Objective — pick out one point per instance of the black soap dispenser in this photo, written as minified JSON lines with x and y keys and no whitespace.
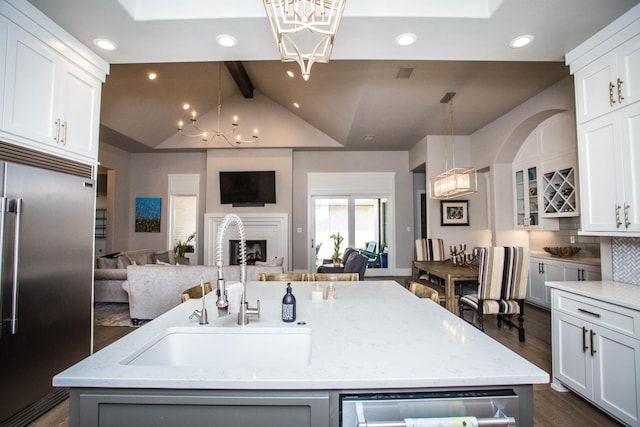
{"x":288,"y":306}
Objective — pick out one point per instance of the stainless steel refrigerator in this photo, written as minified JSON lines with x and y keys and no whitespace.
{"x":46,"y":237}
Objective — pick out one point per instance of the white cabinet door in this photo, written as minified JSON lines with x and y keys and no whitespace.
{"x":595,"y":88}
{"x":616,"y":372}
{"x":542,"y":270}
{"x":600,"y":178}
{"x":630,"y":160}
{"x":4,"y":29}
{"x":629,"y":71}
{"x":536,"y":292}
{"x":572,"y":364}
{"x":610,"y":82}
{"x":81,"y":112}
{"x":30,"y":88}
{"x":49,"y":104}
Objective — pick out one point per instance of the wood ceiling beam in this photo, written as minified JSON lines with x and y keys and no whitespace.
{"x":241,"y":77}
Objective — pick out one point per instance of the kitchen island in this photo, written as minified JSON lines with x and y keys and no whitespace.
{"x":376,"y":337}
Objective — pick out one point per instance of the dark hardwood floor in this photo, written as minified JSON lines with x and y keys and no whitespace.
{"x":551,"y":408}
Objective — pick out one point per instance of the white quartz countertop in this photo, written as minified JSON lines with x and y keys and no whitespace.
{"x":376,"y":334}
{"x":622,"y":294}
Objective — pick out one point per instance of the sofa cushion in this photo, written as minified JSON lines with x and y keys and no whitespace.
{"x":110,"y":274}
{"x":103,"y":262}
{"x":155,"y":289}
{"x":276,"y":262}
{"x":138,"y":257}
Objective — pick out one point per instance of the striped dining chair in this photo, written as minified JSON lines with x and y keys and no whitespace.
{"x":502,"y":286}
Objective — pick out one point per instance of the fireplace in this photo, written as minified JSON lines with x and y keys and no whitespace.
{"x":270,"y":227}
{"x":256,"y":251}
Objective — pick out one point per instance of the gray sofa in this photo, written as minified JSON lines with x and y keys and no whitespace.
{"x":155,"y":289}
{"x":110,"y":272}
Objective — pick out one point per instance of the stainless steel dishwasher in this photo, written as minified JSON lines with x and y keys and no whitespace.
{"x":467,"y":408}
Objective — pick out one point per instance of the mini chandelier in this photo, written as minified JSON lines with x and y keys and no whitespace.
{"x":304,"y":29}
{"x":454,"y":182}
{"x":193,"y":131}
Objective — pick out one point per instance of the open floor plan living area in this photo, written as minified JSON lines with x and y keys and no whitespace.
{"x":323,"y":213}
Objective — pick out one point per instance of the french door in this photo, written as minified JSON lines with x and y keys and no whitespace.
{"x":363,"y":222}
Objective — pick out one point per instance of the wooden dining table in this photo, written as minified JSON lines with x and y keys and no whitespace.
{"x":450,"y":274}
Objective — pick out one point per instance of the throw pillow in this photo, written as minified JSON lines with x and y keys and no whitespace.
{"x":138,"y":257}
{"x":122,"y":261}
{"x":160,"y":258}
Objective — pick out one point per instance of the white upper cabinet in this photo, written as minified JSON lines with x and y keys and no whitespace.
{"x":610,"y":82}
{"x":51,"y":99}
{"x":609,"y":128}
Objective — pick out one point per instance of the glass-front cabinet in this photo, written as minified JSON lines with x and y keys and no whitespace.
{"x":529,"y":213}
{"x":526,"y":186}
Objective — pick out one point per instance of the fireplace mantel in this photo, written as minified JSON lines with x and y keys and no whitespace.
{"x":274,"y":228}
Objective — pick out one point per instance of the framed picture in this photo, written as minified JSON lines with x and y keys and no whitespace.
{"x":147,"y":215}
{"x":454,"y":212}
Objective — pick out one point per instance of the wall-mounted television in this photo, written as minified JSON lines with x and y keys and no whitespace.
{"x":250,"y":188}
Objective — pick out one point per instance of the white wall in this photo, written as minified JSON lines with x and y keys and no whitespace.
{"x":493,"y":149}
{"x":497,"y":144}
{"x":432,"y":151}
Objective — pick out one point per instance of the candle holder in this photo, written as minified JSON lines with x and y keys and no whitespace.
{"x":460,"y":257}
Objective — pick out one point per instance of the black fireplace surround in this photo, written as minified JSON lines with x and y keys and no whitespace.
{"x":256,"y":251}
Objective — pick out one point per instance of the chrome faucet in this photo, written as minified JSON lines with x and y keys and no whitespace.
{"x":201,"y":315}
{"x":222,"y":302}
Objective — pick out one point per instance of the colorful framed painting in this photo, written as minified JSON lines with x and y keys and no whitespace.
{"x":148,"y":214}
{"x":454,"y":212}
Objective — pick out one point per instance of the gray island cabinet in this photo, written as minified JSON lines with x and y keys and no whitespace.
{"x":375,"y":343}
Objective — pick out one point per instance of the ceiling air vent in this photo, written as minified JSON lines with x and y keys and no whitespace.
{"x":404,"y":73}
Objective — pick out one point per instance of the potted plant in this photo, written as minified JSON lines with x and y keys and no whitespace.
{"x":181,"y":248}
{"x":337,"y":241}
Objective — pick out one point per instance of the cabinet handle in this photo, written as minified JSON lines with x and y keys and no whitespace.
{"x":584,"y":340}
{"x":591,"y":313}
{"x":611,"y":100}
{"x":618,"y":223}
{"x":63,"y":140}
{"x":620,"y":97}
{"x":57,"y":124}
{"x":593,"y":350}
{"x":627,"y":223}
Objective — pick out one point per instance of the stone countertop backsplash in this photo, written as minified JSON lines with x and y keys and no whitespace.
{"x":589,"y":245}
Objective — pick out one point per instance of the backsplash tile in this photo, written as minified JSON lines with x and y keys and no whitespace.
{"x":625,"y":255}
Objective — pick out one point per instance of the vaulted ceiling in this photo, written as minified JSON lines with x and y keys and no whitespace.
{"x":358,"y":101}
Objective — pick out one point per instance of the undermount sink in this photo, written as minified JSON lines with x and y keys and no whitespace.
{"x":226,"y":347}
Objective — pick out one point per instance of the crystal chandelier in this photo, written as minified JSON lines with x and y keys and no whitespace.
{"x":304,"y":29}
{"x":454,"y":182}
{"x":193,"y":131}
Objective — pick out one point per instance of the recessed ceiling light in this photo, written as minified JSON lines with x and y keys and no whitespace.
{"x":226,"y":40}
{"x":290,"y":73}
{"x":295,"y":104}
{"x":406,"y":39}
{"x":186,"y":106}
{"x":521,"y":41}
{"x":105,"y":44}
{"x":152,"y":76}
